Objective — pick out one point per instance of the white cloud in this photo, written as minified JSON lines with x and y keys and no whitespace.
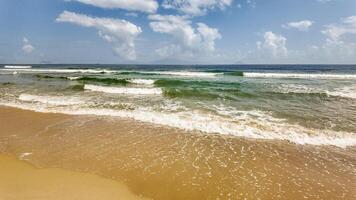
{"x":131,"y":14}
{"x":120,"y":33}
{"x":301,"y":25}
{"x":149,"y":6}
{"x":195,"y":7}
{"x":188,"y":40}
{"x":339,"y":51}
{"x":336,"y":31}
{"x":168,"y":50}
{"x":27,"y":47}
{"x":273,"y":44}
{"x":336,"y":46}
{"x":208,"y":35}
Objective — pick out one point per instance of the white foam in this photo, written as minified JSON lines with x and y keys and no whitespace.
{"x":72,"y":78}
{"x":100,"y":71}
{"x":92,"y":71}
{"x":346,"y":92}
{"x":295,"y":88}
{"x":249,"y":124}
{"x":297,"y":75}
{"x":142,"y":81}
{"x":51,"y":100}
{"x":17,"y":67}
{"x":186,"y":73}
{"x":124,"y":90}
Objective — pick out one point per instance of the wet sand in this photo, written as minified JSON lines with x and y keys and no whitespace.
{"x":165,"y":163}
{"x":20,"y":180}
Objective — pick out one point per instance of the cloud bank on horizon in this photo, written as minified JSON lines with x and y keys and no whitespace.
{"x":179,"y":31}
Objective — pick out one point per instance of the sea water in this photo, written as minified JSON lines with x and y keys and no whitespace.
{"x":302,"y":104}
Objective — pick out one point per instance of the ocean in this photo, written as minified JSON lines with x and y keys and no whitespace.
{"x":302,"y":104}
{"x":187,"y":132}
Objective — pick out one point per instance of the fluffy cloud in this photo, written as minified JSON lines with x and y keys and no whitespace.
{"x":27,"y":47}
{"x":149,"y":6}
{"x":120,"y":33}
{"x":301,"y":25}
{"x":189,"y":40}
{"x":195,"y":7}
{"x":336,"y":31}
{"x":273,"y":44}
{"x":336,"y":46}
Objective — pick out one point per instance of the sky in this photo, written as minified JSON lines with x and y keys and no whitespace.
{"x":178,"y":31}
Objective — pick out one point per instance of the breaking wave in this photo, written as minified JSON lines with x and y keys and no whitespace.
{"x":142,"y":81}
{"x":299,"y":75}
{"x":247,"y":124}
{"x":17,"y":67}
{"x":172,"y":73}
{"x":345,"y":92}
{"x":51,"y":100}
{"x":29,"y":70}
{"x":124,"y":90}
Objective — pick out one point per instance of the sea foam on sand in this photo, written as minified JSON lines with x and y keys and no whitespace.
{"x":248,"y":124}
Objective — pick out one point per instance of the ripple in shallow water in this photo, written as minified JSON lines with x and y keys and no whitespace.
{"x":167,"y":163}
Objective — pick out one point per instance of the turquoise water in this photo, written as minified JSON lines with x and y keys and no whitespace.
{"x":313,"y":105}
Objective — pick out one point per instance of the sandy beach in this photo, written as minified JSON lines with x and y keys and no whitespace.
{"x":123,"y":155}
{"x":20,"y":180}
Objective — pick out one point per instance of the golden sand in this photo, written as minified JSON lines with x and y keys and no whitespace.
{"x":19,"y":180}
{"x":164,"y":163}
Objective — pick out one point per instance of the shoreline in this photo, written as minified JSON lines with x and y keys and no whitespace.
{"x":166,"y":163}
{"x":306,"y":136}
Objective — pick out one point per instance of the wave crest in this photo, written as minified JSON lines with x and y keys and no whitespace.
{"x":124,"y":90}
{"x":142,"y":81}
{"x":17,"y":67}
{"x":299,"y":75}
{"x":51,"y":100}
{"x":247,"y":124}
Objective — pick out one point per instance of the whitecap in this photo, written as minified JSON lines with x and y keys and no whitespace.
{"x":72,"y":78}
{"x":301,"y":89}
{"x":299,"y":75}
{"x":346,"y":92}
{"x":17,"y":67}
{"x":142,"y":81}
{"x":92,"y":71}
{"x":124,"y":90}
{"x":248,"y":124}
{"x":51,"y":100}
{"x":184,"y":73}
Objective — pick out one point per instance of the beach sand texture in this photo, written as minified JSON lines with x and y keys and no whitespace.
{"x":20,"y":180}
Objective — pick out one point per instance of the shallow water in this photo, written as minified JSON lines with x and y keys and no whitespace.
{"x":165,"y":163}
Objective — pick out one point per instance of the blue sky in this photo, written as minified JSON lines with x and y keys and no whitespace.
{"x":178,"y":31}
